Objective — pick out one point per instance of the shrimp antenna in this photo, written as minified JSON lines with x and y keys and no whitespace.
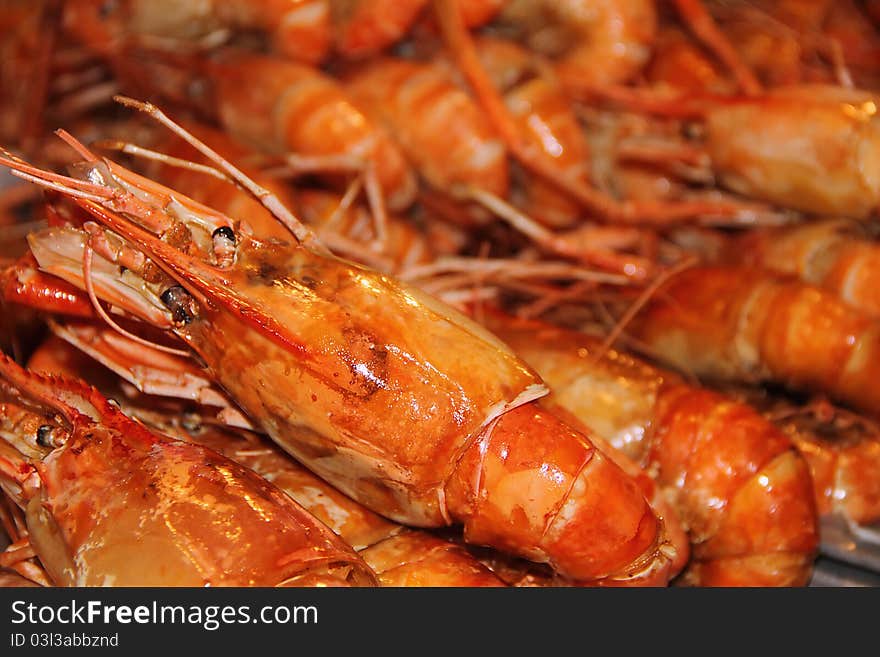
{"x":630,"y":266}
{"x":303,"y":234}
{"x":164,"y":158}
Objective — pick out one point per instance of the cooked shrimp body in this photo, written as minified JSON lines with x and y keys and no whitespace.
{"x":842,"y":449}
{"x":740,"y":487}
{"x":816,"y":150}
{"x":835,"y":254}
{"x":777,"y":146}
{"x":299,"y":29}
{"x":109,"y":502}
{"x":295,"y":108}
{"x":750,"y":325}
{"x":545,"y":116}
{"x":438,"y":125}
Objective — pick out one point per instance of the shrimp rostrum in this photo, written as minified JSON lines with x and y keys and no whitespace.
{"x":396,"y":399}
{"x":109,"y":502}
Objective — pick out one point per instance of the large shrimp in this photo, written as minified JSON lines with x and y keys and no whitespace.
{"x":299,"y":29}
{"x":442,"y":130}
{"x":838,"y":255}
{"x":295,"y":112}
{"x":544,"y":114}
{"x":842,"y":449}
{"x":750,"y":325}
{"x":418,"y":557}
{"x":429,"y":114}
{"x":338,"y":363}
{"x":109,"y":502}
{"x":742,"y":491}
{"x":293,"y":108}
{"x":399,"y":556}
{"x":778,"y":146}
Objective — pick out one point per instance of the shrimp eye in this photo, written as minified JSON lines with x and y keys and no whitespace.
{"x":224,"y":246}
{"x":44,"y":436}
{"x":180,"y":303}
{"x":224,"y":232}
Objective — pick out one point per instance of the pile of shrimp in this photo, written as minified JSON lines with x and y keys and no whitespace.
{"x":437,"y":292}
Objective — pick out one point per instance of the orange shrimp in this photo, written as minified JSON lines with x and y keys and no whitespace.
{"x":841,"y":448}
{"x":299,"y":29}
{"x":295,"y":108}
{"x":777,"y":147}
{"x":815,"y":151}
{"x":474,"y":166}
{"x":420,"y":104}
{"x":295,"y":112}
{"x":835,"y":254}
{"x":427,"y":555}
{"x":150,"y":491}
{"x":738,"y":484}
{"x":369,"y":356}
{"x":398,"y":555}
{"x":750,"y":325}
{"x":545,"y":116}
